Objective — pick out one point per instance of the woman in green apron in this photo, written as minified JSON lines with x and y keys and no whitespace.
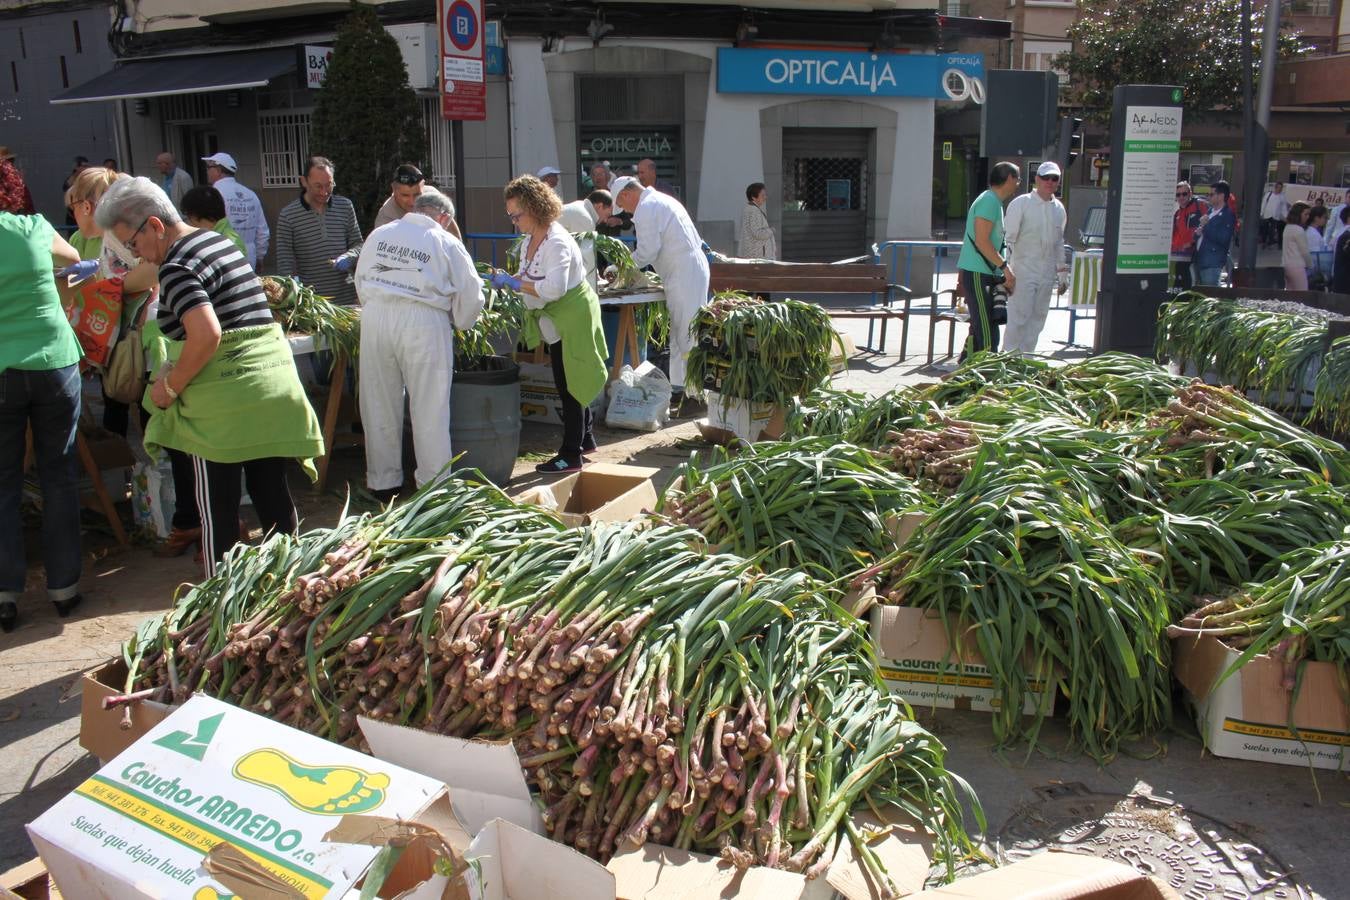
{"x":562,"y":309}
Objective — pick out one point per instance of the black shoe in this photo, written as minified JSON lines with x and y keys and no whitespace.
{"x":64,"y":607}
{"x":385,"y":495}
{"x":9,"y":615}
{"x":558,"y":465}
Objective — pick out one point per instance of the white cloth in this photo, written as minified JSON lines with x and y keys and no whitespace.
{"x":416,"y":281}
{"x":1294,"y":253}
{"x":577,"y":217}
{"x":668,"y":242}
{"x":1316,"y":243}
{"x":1334,"y":225}
{"x":756,"y":239}
{"x":1034,"y":230}
{"x":245,"y":213}
{"x":556,"y":268}
{"x":1274,"y":206}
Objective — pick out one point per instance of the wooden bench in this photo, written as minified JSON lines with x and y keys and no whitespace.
{"x":826,"y":278}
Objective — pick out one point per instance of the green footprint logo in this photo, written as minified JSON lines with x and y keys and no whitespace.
{"x":326,"y":790}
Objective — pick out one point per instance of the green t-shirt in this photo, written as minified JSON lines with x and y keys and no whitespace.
{"x":986,"y":206}
{"x":224,"y":227}
{"x":87,"y":247}
{"x":37,"y":334}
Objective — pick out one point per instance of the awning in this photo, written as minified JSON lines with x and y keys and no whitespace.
{"x":168,"y":75}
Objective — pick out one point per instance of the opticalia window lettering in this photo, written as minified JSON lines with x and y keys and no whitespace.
{"x":853,"y":74}
{"x":623,"y":149}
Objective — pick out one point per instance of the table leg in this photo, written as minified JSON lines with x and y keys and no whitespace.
{"x":104,"y":500}
{"x":626,"y":340}
{"x":337,"y":386}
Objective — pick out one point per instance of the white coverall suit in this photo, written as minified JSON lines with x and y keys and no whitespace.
{"x":1034,"y":230}
{"x":668,"y":242}
{"x":413,"y":278}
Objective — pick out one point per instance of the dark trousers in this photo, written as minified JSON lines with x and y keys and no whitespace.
{"x":576,"y":418}
{"x":218,"y":494}
{"x":48,"y":402}
{"x":979,"y":291}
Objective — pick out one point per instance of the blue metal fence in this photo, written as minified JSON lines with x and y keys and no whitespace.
{"x":900,"y":258}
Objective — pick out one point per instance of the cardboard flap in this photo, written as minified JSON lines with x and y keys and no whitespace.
{"x":904,"y":848}
{"x":1198,"y":661}
{"x":654,"y":872}
{"x":485,"y":779}
{"x":902,"y":631}
{"x":512,"y":863}
{"x":902,"y":528}
{"x":1055,"y":876}
{"x":435,"y":836}
{"x":230,"y":866}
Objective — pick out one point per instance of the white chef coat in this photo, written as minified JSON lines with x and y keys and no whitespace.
{"x":668,"y":241}
{"x":245,"y":213}
{"x":577,"y":217}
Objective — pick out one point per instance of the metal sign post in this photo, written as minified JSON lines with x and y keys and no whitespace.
{"x":462,"y":79}
{"x":1145,"y":145}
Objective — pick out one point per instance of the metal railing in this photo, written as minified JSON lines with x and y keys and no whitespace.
{"x":905,"y":260}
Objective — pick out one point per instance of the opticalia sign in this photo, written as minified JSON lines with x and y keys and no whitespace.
{"x":850,"y":74}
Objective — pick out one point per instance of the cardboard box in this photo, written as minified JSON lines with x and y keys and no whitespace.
{"x":602,"y":492}
{"x":1246,"y":716}
{"x":212,"y":775}
{"x":29,"y":881}
{"x":654,"y":872}
{"x":730,"y":418}
{"x":102,"y":731}
{"x":1056,"y":875}
{"x":929,"y":662}
{"x":509,"y":856}
{"x":539,"y":394}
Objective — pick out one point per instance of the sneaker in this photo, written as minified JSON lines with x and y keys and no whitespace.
{"x":558,"y":466}
{"x":66,"y":606}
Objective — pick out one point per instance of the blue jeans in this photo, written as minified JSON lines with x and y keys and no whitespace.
{"x":49,"y":402}
{"x":1208,"y":275}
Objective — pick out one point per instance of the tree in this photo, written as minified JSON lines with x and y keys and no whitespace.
{"x":366,"y":117}
{"x":1195,"y":45}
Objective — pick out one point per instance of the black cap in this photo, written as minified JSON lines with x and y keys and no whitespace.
{"x":408,"y":174}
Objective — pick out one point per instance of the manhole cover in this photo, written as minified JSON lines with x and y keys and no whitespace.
{"x":1201,"y":858}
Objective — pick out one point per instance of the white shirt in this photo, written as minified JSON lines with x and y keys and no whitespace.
{"x":415,"y":259}
{"x":245,"y":213}
{"x":556,"y":268}
{"x":1316,"y":243}
{"x":1334,"y":226}
{"x":1275,"y":206}
{"x":667,"y":240}
{"x":580,"y":216}
{"x":1034,"y":229}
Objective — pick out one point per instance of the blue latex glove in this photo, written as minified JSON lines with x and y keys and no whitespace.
{"x":83,"y":269}
{"x":503,"y":280}
{"x":344,"y":263}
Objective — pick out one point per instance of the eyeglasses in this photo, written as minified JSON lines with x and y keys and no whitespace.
{"x":1184,"y":194}
{"x":137,"y":233}
{"x":514,"y":217}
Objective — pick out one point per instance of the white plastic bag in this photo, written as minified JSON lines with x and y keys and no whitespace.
{"x":639,"y":399}
{"x":152,"y":496}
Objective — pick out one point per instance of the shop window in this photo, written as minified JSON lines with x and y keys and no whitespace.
{"x":1301,"y":171}
{"x":1039,"y":56}
{"x":1203,"y":169}
{"x":834,"y":184}
{"x":440,"y":147}
{"x":283,"y":136}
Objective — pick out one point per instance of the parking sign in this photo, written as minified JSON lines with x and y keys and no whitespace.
{"x":463,"y":88}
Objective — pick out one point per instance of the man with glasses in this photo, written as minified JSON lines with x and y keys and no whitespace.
{"x":407,"y":186}
{"x":1184,"y":222}
{"x":242,"y":206}
{"x":1034,"y":228}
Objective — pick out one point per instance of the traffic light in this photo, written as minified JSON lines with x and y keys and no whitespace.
{"x":1070,"y":139}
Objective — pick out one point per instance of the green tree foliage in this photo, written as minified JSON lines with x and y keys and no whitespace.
{"x":366,"y":116}
{"x":1192,"y":43}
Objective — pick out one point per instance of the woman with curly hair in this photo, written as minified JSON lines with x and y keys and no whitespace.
{"x":562,"y":309}
{"x":39,"y":389}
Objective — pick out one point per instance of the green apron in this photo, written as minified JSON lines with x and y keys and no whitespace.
{"x":576,"y":315}
{"x":246,"y":403}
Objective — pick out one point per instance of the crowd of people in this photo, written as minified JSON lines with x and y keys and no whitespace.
{"x":176,"y":268}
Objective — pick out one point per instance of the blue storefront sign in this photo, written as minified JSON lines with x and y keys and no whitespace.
{"x":828,"y":73}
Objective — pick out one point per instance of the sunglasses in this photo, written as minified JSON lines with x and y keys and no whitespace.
{"x":1184,"y":194}
{"x":1054,"y":178}
{"x":405,"y":178}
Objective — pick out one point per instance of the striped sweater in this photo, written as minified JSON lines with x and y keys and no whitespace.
{"x":207,"y":268}
{"x":309,"y":241}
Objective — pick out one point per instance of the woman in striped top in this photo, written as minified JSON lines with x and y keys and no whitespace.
{"x":230,"y":397}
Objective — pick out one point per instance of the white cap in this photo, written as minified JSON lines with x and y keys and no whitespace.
{"x":1048,"y":168}
{"x":548,"y":170}
{"x":224,"y":160}
{"x":623,"y":183}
